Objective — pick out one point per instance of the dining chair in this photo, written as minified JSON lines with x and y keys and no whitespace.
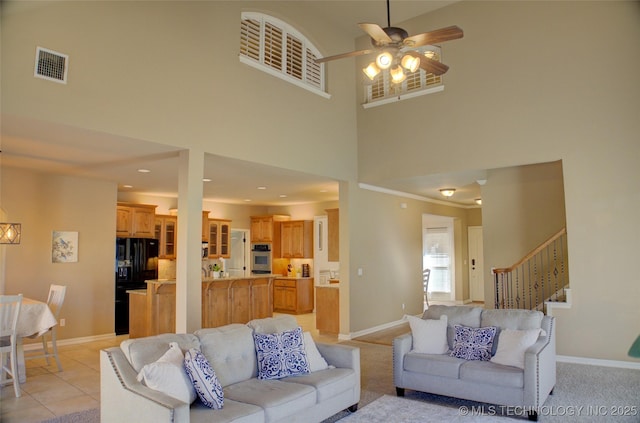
{"x":55,"y":300}
{"x":425,"y":285}
{"x":9,"y":312}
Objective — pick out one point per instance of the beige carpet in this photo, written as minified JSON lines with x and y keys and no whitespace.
{"x":390,"y":409}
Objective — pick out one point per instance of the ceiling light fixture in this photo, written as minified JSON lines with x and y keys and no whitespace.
{"x":144,"y":171}
{"x":397,"y":75}
{"x":384,"y":60}
{"x":447,"y":192}
{"x":371,"y":71}
{"x":127,"y":186}
{"x":262,"y":187}
{"x":206,"y":179}
{"x":410,"y":63}
{"x":10,"y":233}
{"x":478,"y":201}
{"x":283,"y":195}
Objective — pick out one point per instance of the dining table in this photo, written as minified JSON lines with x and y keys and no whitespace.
{"x":35,"y":319}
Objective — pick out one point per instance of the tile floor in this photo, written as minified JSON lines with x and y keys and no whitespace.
{"x":48,"y":393}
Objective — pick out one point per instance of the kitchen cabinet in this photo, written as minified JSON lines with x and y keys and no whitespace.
{"x":205,"y":226}
{"x":219,"y":238}
{"x":166,"y":231}
{"x":266,"y":229}
{"x":293,"y":295}
{"x":333,"y":232}
{"x":135,"y":220}
{"x":328,"y":309}
{"x":297,"y":239}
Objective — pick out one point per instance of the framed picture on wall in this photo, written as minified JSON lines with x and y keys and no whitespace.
{"x":64,"y":247}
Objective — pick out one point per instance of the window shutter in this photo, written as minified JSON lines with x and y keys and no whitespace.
{"x":314,"y":70}
{"x":272,"y":46}
{"x":294,"y":57}
{"x":250,"y":38}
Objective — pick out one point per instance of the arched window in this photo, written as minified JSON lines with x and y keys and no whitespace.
{"x":275,"y":47}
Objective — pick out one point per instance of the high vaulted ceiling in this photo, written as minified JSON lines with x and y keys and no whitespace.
{"x":59,"y":149}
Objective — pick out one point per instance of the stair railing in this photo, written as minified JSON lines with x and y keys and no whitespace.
{"x":541,"y":275}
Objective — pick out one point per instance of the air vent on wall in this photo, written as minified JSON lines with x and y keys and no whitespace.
{"x":51,"y":65}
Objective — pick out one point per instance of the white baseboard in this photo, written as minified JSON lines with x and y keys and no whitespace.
{"x":599,"y":362}
{"x":350,"y":336}
{"x":72,"y":341}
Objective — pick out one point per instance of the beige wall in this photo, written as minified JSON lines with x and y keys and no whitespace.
{"x":44,"y":203}
{"x":524,"y":87}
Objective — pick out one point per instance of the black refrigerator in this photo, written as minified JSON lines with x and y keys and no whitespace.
{"x":136,"y":262}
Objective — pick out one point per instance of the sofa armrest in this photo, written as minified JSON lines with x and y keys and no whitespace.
{"x":343,"y":356}
{"x":122,"y":396}
{"x":401,"y":346}
{"x":540,"y":366}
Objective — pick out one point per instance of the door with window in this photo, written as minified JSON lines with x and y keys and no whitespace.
{"x":438,"y":256}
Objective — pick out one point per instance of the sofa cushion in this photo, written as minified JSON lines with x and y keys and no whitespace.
{"x":278,"y":399}
{"x":204,"y":379}
{"x":429,"y":336}
{"x":231,"y":352}
{"x":281,"y":354}
{"x":168,"y":375}
{"x":433,"y":364}
{"x":316,"y":360}
{"x":456,"y":315}
{"x":473,"y":343}
{"x":232,"y":412}
{"x":486,"y":372}
{"x":273,"y":324}
{"x":143,"y":351}
{"x":512,"y":346}
{"x":512,"y":319}
{"x":328,"y":383}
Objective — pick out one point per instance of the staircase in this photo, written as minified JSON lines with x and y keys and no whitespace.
{"x":540,"y":277}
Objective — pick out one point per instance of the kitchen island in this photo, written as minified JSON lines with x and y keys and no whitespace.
{"x":224,"y":301}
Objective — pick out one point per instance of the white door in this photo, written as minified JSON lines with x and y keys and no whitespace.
{"x":476,"y":263}
{"x":238,"y":264}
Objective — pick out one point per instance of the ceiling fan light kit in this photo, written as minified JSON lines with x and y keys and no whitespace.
{"x":396,"y":50}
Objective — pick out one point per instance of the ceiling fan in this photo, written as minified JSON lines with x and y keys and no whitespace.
{"x":395,"y":50}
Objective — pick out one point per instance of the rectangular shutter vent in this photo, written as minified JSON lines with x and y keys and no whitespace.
{"x":51,"y":65}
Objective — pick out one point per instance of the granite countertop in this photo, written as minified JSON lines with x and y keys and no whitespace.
{"x":137,"y":291}
{"x":330,"y":285}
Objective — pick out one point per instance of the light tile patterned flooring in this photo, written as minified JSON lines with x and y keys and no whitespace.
{"x":48,"y":393}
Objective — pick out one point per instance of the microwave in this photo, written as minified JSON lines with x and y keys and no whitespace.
{"x":260,"y":258}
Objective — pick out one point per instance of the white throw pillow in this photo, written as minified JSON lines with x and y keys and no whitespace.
{"x":316,"y":361}
{"x":429,"y":336}
{"x":512,"y":345}
{"x":169,"y":376}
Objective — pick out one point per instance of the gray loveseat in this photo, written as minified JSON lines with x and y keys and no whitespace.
{"x":484,"y":381}
{"x":231,"y":352}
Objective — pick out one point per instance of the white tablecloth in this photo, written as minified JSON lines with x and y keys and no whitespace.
{"x":35,"y":318}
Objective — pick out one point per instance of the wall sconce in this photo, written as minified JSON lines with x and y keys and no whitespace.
{"x":478,"y":201}
{"x":10,"y":233}
{"x":447,"y":192}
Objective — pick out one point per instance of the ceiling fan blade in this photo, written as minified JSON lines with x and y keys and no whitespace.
{"x":376,"y":32}
{"x":343,"y":55}
{"x":434,"y":37}
{"x":429,"y":65}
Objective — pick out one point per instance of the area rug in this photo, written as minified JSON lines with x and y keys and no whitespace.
{"x":85,"y":416}
{"x":390,"y":409}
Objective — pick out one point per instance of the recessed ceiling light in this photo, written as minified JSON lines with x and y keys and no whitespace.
{"x":127,"y":186}
{"x":323,"y":190}
{"x":247,"y":200}
{"x":283,"y":195}
{"x":262,"y":187}
{"x":144,"y":170}
{"x":206,"y":180}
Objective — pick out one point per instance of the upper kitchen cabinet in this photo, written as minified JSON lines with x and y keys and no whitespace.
{"x":297,"y":239}
{"x":219,"y":238}
{"x":205,"y":226}
{"x":333,"y":222}
{"x":167,"y":232}
{"x":135,"y":220}
{"x":266,"y":228}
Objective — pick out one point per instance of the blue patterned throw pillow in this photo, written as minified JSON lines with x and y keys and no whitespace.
{"x":473,"y":343}
{"x":281,"y":354}
{"x":204,"y":379}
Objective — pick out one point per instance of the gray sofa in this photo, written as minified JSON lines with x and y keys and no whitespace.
{"x":482,"y":381}
{"x":231,"y":352}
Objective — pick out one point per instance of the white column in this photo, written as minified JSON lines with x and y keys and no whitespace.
{"x":189,"y":262}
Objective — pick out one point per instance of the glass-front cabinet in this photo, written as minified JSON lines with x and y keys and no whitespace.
{"x":219,"y":238}
{"x":166,"y":231}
